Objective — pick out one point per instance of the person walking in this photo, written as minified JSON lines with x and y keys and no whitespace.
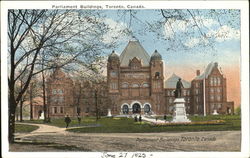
{"x":165,"y":118}
{"x":79,"y":119}
{"x":67,"y":120}
{"x":140,"y":119}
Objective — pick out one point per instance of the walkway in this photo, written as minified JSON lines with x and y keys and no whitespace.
{"x":42,"y":130}
{"x":153,"y":120}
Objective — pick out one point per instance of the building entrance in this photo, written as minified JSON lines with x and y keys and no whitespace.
{"x":136,"y":108}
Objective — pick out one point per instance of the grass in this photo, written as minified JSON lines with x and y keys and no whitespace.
{"x":19,"y":128}
{"x":127,"y":125}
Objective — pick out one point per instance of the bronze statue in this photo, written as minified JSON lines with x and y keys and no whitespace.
{"x":179,"y":86}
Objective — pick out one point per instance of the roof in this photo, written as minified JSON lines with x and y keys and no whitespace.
{"x":134,"y":49}
{"x":156,"y":56}
{"x":171,"y":82}
{"x":207,"y":71}
{"x":113,"y":56}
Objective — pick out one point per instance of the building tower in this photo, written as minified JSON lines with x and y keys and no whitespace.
{"x":113,"y":75}
{"x":157,"y":78}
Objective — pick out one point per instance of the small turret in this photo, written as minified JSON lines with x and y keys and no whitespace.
{"x":156,"y":56}
{"x":113,"y":57}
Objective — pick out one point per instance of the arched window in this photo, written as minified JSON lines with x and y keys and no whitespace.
{"x":215,"y":81}
{"x":125,"y":85}
{"x":125,"y":109}
{"x":135,"y":85}
{"x":145,"y":85}
{"x":146,"y":108}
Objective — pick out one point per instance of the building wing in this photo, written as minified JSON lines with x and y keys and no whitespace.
{"x":171,"y":82}
{"x":207,"y":71}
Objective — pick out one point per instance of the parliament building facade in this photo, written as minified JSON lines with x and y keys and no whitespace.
{"x":136,"y":85}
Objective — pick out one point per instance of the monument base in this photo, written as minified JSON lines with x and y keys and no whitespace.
{"x":215,"y":112}
{"x":109,"y":113}
{"x":180,"y":111}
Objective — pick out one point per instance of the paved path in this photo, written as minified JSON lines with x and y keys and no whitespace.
{"x":166,"y":141}
{"x":153,"y":120}
{"x":44,"y":130}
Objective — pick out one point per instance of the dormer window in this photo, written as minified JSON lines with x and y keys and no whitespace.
{"x":135,"y":63}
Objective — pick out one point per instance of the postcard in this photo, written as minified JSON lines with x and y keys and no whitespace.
{"x":127,"y":79}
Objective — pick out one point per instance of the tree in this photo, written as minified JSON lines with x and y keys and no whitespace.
{"x":67,"y":36}
{"x":185,"y":29}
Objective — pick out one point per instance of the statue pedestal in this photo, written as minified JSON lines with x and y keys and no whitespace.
{"x":109,"y":113}
{"x":42,"y":116}
{"x":215,"y":112}
{"x":180,"y":111}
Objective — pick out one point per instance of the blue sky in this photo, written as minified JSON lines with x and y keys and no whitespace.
{"x":226,"y":50}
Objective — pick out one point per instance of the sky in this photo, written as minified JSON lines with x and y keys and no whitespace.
{"x":223,"y":30}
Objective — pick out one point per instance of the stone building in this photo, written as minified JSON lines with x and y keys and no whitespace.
{"x":60,"y":100}
{"x":66,"y":96}
{"x":135,"y":85}
{"x":209,"y":92}
{"x":135,"y":81}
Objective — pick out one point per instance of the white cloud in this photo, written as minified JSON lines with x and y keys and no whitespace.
{"x":174,"y":26}
{"x":224,"y":33}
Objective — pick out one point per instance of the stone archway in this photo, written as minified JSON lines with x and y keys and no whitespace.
{"x":136,"y":108}
{"x":125,"y":109}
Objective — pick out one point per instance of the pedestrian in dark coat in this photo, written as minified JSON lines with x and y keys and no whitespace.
{"x":140,"y":118}
{"x":135,"y":118}
{"x":165,"y":117}
{"x":67,"y":120}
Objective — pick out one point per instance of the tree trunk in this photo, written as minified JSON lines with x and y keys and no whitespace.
{"x":44,"y":98}
{"x":96,"y":106}
{"x":12,"y":109}
{"x":31,"y":101}
{"x":21,"y":111}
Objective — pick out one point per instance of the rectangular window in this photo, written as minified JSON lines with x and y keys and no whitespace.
{"x":218,"y":81}
{"x":55,"y":110}
{"x":218,"y":98}
{"x":197,"y":85}
{"x":196,"y":91}
{"x":211,"y":97}
{"x":54,"y":91}
{"x":218,"y":90}
{"x":211,"y":81}
{"x":219,"y":106}
{"x":61,"y":109}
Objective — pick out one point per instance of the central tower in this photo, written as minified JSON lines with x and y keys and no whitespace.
{"x":135,"y":80}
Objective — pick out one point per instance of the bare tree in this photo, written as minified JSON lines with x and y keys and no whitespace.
{"x":64,"y":37}
{"x":184,"y":29}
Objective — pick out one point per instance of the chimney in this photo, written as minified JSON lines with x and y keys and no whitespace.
{"x":197,"y":72}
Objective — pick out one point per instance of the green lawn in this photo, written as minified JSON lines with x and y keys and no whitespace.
{"x":127,"y":125}
{"x":20,"y":128}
